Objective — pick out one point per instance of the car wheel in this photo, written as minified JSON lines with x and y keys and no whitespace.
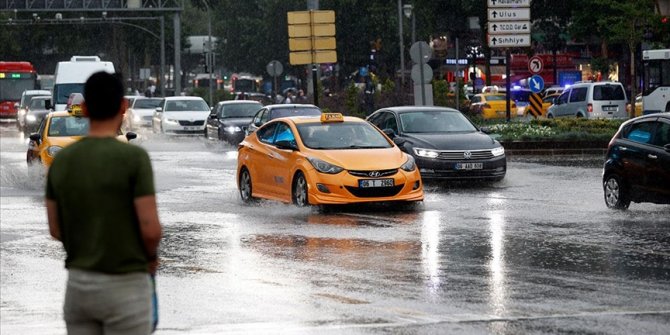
{"x":29,"y":159}
{"x":667,"y":108}
{"x":300,"y":196}
{"x":220,"y":135}
{"x":245,"y":186}
{"x":550,"y":116}
{"x":616,"y":194}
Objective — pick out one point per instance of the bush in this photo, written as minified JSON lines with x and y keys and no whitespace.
{"x":553,"y":129}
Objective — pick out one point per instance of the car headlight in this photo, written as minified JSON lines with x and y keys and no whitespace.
{"x":426,"y":153}
{"x":31,"y":118}
{"x":53,"y":150}
{"x":324,"y":167}
{"x":499,"y":151}
{"x":409,"y":165}
{"x":173,"y":121}
{"x":136,"y":118}
{"x":232,"y":129}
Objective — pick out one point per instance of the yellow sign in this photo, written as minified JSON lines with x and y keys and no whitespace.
{"x":307,"y":30}
{"x":535,"y":106}
{"x":313,"y":57}
{"x":332,"y":117}
{"x":315,"y":16}
{"x":304,"y":44}
{"x":76,"y":110}
{"x":312,"y":37}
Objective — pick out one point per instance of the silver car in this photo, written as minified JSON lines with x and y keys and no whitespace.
{"x":600,"y":100}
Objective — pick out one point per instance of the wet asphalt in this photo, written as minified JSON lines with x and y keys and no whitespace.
{"x":538,"y":253}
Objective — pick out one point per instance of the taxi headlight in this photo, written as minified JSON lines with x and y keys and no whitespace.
{"x":499,"y":151}
{"x":232,"y":129}
{"x":53,"y":150}
{"x":409,"y":165}
{"x":324,"y":167}
{"x":31,"y":118}
{"x":426,"y":153}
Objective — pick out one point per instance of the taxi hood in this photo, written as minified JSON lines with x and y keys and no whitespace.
{"x":364,"y":159}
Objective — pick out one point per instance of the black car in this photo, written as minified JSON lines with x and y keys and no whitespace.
{"x":444,"y":143}
{"x":272,"y":112}
{"x":637,"y":165}
{"x":229,"y":120}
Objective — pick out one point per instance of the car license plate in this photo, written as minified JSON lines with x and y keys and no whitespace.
{"x":367,"y":183}
{"x":609,"y":108}
{"x":469,"y":166}
{"x":190,"y":128}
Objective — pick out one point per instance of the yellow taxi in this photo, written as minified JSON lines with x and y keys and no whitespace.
{"x":60,"y":129}
{"x":326,"y":160}
{"x":547,"y":102}
{"x":491,"y":106}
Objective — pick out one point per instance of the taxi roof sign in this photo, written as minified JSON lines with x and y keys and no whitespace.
{"x":332,"y":117}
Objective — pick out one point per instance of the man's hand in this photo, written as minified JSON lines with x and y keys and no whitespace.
{"x":150,"y":228}
{"x":153,"y":266}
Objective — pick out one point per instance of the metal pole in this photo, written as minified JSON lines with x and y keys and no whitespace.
{"x":402,"y":47}
{"x":413,"y":26}
{"x":508,"y":84}
{"x":177,"y":54}
{"x":162,"y":80}
{"x":423,"y":85}
{"x":315,"y":80}
{"x":458,"y":97}
{"x":210,"y":59}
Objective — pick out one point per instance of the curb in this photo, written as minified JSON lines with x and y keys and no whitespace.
{"x":560,"y":148}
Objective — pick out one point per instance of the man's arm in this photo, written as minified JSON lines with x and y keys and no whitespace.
{"x":150,"y":228}
{"x":52,"y":216}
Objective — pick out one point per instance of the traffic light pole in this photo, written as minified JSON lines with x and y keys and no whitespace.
{"x":315,"y":78}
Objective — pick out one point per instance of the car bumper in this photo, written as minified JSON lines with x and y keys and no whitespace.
{"x":494,"y":169}
{"x":184,"y":130}
{"x":342,"y":188}
{"x":498,"y":113}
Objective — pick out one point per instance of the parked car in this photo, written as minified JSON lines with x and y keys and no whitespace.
{"x":181,"y":116}
{"x":325,"y":160}
{"x":547,"y":102}
{"x":229,"y":120}
{"x":444,"y":143}
{"x":591,"y":100}
{"x":272,"y":112}
{"x":39,"y":107}
{"x":637,"y":165}
{"x":491,"y":106}
{"x":140,"y":112}
{"x":22,"y":106}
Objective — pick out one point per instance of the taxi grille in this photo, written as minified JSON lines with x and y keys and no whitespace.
{"x":382,"y":173}
{"x":374,"y":192}
{"x":459,"y":155}
{"x":189,"y":123}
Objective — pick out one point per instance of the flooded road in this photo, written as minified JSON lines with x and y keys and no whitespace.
{"x":536,"y":253}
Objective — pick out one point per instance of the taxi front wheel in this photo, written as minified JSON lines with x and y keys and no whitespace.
{"x":245,"y":186}
{"x":300,"y":196}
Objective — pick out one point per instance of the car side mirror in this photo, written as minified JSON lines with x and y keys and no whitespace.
{"x":131,"y":136}
{"x":667,"y":147}
{"x":258,"y":123}
{"x":159,"y":109}
{"x":389,"y":132}
{"x":286,"y":145}
{"x":399,"y":141}
{"x":48,"y":105}
{"x":213,"y":116}
{"x":35,"y":137}
{"x":485,"y":130}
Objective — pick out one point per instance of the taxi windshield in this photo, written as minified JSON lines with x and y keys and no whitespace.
{"x":341,"y":135}
{"x":435,"y":122}
{"x":495,"y":97}
{"x":68,"y":126}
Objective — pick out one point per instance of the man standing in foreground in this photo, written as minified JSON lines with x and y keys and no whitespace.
{"x":101,"y":204}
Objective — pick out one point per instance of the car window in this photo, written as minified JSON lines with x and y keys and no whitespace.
{"x":264,"y":116}
{"x":476,"y":99}
{"x":608,"y":92}
{"x":341,"y":135}
{"x":38,"y":104}
{"x":186,"y":106}
{"x":435,"y":122}
{"x":147,"y":103}
{"x":293,"y":111}
{"x":283,"y":133}
{"x":266,"y":134}
{"x":640,"y":132}
{"x":244,"y":110}
{"x":68,"y":126}
{"x":563,"y":98}
{"x":521,"y":95}
{"x":578,"y":94}
{"x":662,"y":134}
{"x":549,"y":99}
{"x":495,"y":97}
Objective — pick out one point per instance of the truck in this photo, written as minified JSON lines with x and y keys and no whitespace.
{"x":71,"y":76}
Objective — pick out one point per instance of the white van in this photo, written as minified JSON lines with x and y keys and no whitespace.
{"x":71,"y":76}
{"x":602,"y":100}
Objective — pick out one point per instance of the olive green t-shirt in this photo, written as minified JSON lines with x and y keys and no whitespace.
{"x":94,"y":182}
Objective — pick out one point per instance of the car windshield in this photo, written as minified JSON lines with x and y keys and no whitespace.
{"x":294,"y":111}
{"x":608,"y":92}
{"x":147,"y":103}
{"x":520,"y":95}
{"x":186,"y":106}
{"x":435,"y":122}
{"x":239,"y":110}
{"x":62,"y":91}
{"x":38,"y":104}
{"x":494,"y":97}
{"x":68,"y":126}
{"x":341,"y":135}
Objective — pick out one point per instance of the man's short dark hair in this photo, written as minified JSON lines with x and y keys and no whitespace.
{"x":103,"y":94}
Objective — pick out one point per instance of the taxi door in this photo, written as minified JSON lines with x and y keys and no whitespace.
{"x":280,"y":163}
{"x":260,"y":156}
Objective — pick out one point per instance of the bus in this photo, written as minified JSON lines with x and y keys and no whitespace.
{"x":656,"y":81}
{"x":15,"y":77}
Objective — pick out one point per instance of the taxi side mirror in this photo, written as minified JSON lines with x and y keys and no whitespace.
{"x":35,"y":137}
{"x":131,"y":136}
{"x":286,"y":145}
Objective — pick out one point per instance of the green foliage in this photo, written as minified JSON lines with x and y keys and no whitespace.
{"x":219,"y":95}
{"x":352,"y":102}
{"x":440,"y":93}
{"x":568,"y":129}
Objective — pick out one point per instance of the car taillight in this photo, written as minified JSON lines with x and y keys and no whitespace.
{"x":589,"y":108}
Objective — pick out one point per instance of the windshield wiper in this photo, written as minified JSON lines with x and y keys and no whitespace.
{"x":364,"y":147}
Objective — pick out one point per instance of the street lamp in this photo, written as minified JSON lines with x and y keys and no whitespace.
{"x":408,"y":11}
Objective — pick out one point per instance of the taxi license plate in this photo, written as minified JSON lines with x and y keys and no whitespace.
{"x":367,"y":183}
{"x":469,"y":166}
{"x":190,"y":128}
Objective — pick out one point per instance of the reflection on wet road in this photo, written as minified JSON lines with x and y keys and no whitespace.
{"x":536,"y":253}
